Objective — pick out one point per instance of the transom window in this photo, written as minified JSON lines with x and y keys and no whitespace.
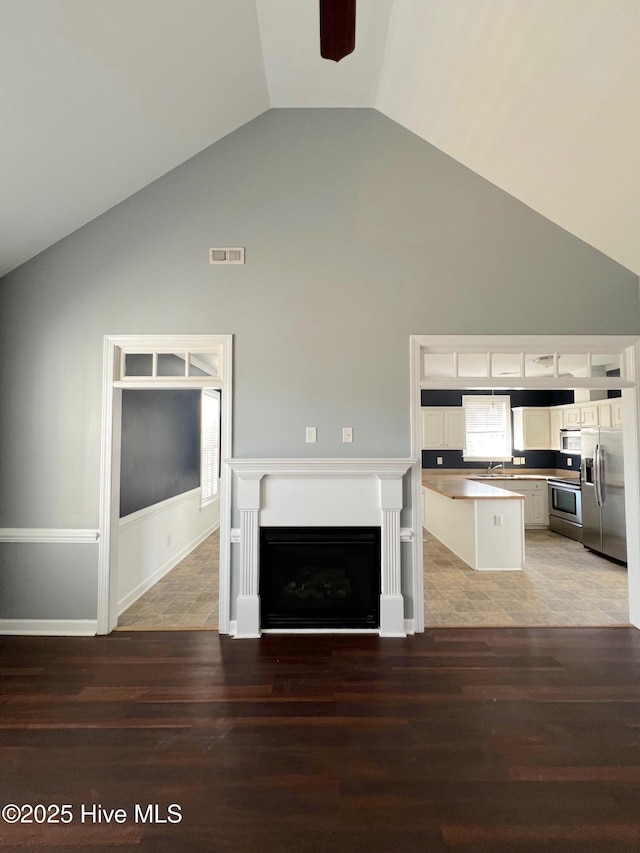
{"x":440,"y":364}
{"x":159,"y":365}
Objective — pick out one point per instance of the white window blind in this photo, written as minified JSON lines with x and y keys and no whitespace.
{"x":488,"y":427}
{"x":209,"y":446}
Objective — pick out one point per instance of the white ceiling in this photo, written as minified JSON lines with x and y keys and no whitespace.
{"x":297,"y":76}
{"x":98,"y":99}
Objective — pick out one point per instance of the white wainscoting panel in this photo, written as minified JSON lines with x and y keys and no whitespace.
{"x":154,"y":540}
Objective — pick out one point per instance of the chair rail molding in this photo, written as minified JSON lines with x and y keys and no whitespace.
{"x":48,"y":535}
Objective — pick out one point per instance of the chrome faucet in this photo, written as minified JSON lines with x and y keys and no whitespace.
{"x":493,"y":467}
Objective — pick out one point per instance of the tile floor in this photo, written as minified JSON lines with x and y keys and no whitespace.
{"x":562,"y":584}
{"x":186,"y":597}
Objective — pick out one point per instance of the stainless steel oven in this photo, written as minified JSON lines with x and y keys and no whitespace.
{"x":565,"y":507}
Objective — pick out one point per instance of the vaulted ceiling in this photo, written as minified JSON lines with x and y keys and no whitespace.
{"x":98,"y":99}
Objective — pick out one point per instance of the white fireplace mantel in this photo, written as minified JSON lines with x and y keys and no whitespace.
{"x":320,"y":492}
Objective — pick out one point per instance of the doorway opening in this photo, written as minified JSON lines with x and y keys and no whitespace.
{"x":165,"y":503}
{"x":168,"y":543}
{"x":482,"y":365}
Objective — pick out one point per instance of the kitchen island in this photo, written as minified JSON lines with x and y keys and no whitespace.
{"x":482,"y":524}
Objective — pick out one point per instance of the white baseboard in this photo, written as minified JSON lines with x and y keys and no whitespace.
{"x":409,"y":627}
{"x":146,"y":585}
{"x":50,"y":627}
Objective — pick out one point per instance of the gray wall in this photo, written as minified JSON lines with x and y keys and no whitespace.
{"x":357,"y":234}
{"x":41,"y":580}
{"x":160,"y":446}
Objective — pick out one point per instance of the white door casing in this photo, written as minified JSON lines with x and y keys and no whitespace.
{"x":112,"y":385}
{"x":629,"y":350}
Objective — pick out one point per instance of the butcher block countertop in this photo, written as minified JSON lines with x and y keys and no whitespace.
{"x":460,"y":488}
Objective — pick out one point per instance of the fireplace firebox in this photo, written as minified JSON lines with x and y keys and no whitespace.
{"x":319,"y":577}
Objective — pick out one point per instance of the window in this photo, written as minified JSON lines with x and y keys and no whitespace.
{"x":488,"y":427}
{"x":209,"y":446}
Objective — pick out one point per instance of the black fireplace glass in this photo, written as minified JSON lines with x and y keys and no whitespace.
{"x":320,"y":577}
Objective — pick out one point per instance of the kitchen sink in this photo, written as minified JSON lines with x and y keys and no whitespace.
{"x":505,"y":476}
{"x":493,"y":476}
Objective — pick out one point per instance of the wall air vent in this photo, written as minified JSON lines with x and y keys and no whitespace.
{"x":226,"y":256}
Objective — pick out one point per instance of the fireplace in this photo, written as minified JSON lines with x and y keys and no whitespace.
{"x":313,"y":495}
{"x":319,"y":577}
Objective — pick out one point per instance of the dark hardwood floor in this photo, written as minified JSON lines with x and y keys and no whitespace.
{"x":474,"y":740}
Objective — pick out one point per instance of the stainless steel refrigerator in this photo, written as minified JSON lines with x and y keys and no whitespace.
{"x":602,"y":474}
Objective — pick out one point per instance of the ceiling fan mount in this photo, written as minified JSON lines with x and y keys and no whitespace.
{"x":337,"y":28}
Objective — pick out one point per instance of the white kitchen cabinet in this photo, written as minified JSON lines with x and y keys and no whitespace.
{"x":589,"y":415}
{"x":443,"y":428}
{"x":556,"y":423}
{"x":536,"y":506}
{"x":531,"y":430}
{"x":571,"y":417}
{"x":536,"y":502}
{"x":605,"y":413}
{"x":617,"y":411}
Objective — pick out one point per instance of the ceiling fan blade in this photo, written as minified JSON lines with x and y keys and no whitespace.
{"x":337,"y":28}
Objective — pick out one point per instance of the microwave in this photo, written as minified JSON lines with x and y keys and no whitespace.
{"x":570,"y":441}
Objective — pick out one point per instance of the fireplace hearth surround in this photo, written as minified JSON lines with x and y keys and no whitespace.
{"x":318,"y":493}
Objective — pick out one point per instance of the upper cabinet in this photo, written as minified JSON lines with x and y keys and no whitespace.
{"x":556,"y":423}
{"x":571,"y":417}
{"x":589,"y":415}
{"x":534,"y":427}
{"x":443,"y":428}
{"x":604,"y":413}
{"x":531,"y":428}
{"x":617,"y":411}
{"x":609,"y":413}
